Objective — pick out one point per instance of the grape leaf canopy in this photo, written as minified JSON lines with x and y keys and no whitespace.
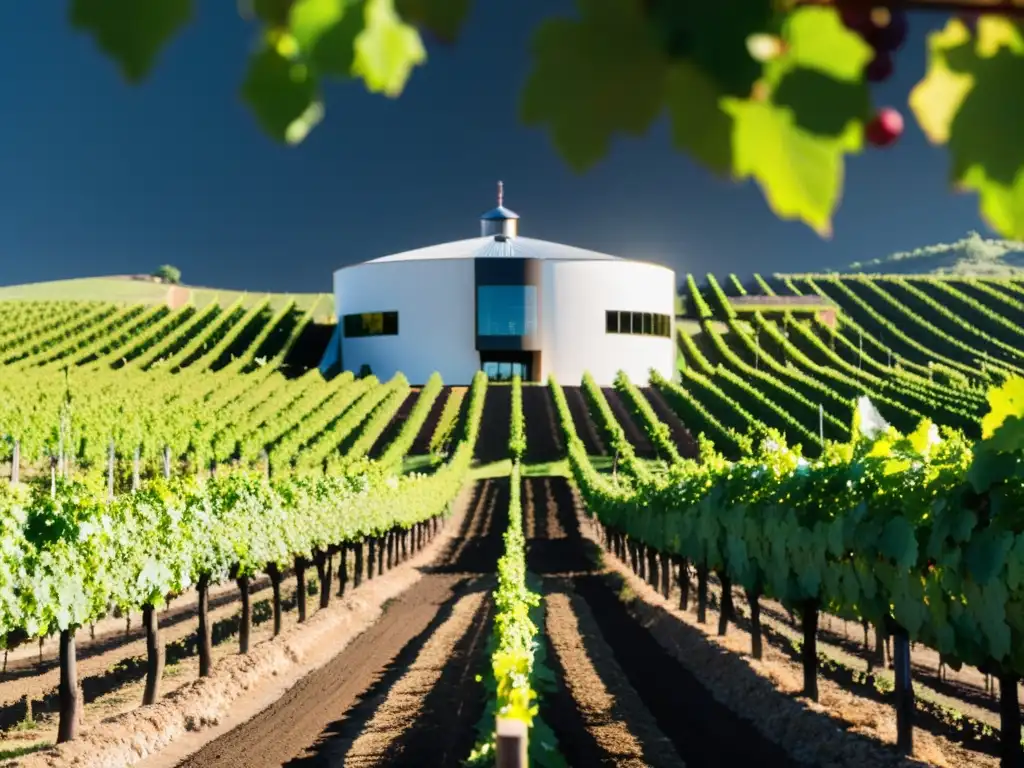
{"x":774,"y":91}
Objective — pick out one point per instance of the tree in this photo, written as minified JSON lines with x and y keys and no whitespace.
{"x":169,"y":274}
{"x":777,"y":91}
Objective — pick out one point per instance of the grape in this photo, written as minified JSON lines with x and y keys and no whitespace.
{"x":970,"y":20}
{"x":891,"y":33}
{"x":885,"y":127}
{"x":880,"y":68}
{"x":856,"y":16}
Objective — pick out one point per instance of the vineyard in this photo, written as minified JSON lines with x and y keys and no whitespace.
{"x":805,"y":550}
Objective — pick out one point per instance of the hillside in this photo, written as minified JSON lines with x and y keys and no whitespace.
{"x":152,"y":382}
{"x":143,"y":289}
{"x":972,"y":255}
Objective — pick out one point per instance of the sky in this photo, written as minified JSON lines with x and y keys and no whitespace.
{"x":98,"y":177}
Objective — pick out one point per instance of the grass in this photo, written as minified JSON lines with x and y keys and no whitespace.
{"x":123,"y":289}
{"x":25,"y":749}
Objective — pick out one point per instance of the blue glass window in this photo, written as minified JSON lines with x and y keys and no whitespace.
{"x":506,"y":310}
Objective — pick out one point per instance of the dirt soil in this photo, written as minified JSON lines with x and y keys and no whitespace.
{"x":184,"y":722}
{"x":683,"y":438}
{"x":661,"y":713}
{"x":585,"y":427}
{"x":495,"y":423}
{"x":403,"y":691}
{"x":634,"y":432}
{"x":841,"y":729}
{"x":543,"y":433}
{"x":178,"y":296}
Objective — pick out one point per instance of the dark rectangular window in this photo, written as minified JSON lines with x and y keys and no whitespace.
{"x":370,"y":324}
{"x":506,"y":310}
{"x":611,"y":321}
{"x":638,"y":323}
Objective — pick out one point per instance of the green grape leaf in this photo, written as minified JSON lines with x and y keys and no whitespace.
{"x":386,"y":50}
{"x":937,"y":98}
{"x":713,"y":36}
{"x":593,"y":77}
{"x":989,"y":468}
{"x":816,"y":39}
{"x":970,"y":94}
{"x":273,"y":13}
{"x":283,"y":95}
{"x":800,"y":173}
{"x":898,"y":542}
{"x":129,"y":31}
{"x":699,"y":124}
{"x":1003,"y":401}
{"x":986,"y":553}
{"x":326,"y":31}
{"x":444,"y":18}
{"x":1015,"y":565}
{"x":820,"y":74}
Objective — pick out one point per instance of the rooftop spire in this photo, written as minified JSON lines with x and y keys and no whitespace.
{"x":501,"y":193}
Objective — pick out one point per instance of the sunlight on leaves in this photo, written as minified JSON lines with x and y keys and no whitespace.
{"x":594,"y":77}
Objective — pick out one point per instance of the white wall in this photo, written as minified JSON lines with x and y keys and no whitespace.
{"x":576,"y":295}
{"x":436,"y":318}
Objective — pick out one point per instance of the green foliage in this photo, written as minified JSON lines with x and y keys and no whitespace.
{"x":517,"y":429}
{"x":169,"y":274}
{"x":786,"y":119}
{"x":130,"y":32}
{"x":67,"y":559}
{"x":963,"y":101}
{"x":516,"y":676}
{"x":885,"y":527}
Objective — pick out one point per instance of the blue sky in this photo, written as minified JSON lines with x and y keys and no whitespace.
{"x":102,"y":178}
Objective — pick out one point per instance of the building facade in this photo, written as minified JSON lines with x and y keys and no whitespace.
{"x":507,"y":305}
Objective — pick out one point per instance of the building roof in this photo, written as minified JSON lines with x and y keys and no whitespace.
{"x":491,"y":248}
{"x":501,"y":213}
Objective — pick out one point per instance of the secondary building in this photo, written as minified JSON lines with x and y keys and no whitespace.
{"x":507,"y":305}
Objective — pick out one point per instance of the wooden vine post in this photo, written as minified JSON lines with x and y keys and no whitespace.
{"x":15,"y":461}
{"x":904,"y":693}
{"x":111,"y":458}
{"x":809,"y":648}
{"x":204,"y":638}
{"x":275,"y":585}
{"x":69,"y":696}
{"x":1011,"y":752}
{"x":511,"y":743}
{"x":154,"y":655}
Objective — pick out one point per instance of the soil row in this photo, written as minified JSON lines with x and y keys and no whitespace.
{"x":404,"y":691}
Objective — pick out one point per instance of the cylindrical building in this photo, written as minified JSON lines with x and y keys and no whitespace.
{"x":506,"y":304}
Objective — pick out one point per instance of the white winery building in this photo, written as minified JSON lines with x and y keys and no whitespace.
{"x":505,"y":304}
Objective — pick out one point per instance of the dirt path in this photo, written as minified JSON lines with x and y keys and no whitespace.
{"x":660,"y":707}
{"x":495,"y":424}
{"x":634,"y":432}
{"x":390,"y":432}
{"x":543,"y":434}
{"x":585,"y":426}
{"x":611,"y":714}
{"x":684,"y":440}
{"x":403,"y":692}
{"x":381,"y":738}
{"x":178,"y":296}
{"x":421,"y":444}
{"x":111,"y":667}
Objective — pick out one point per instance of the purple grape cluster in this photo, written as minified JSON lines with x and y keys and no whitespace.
{"x":884,"y":29}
